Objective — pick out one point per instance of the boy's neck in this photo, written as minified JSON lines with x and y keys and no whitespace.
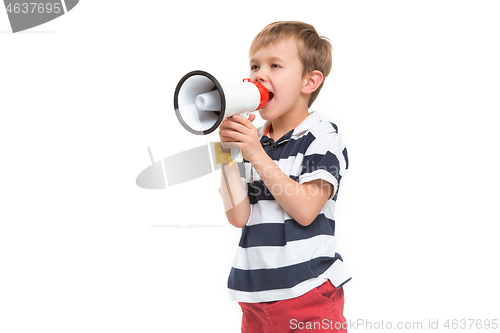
{"x":286,"y":122}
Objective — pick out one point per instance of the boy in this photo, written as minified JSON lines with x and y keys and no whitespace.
{"x":286,"y":275}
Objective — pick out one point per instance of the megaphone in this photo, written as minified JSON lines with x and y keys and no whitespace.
{"x":201,"y":102}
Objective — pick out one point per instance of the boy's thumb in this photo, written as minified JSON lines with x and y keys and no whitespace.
{"x":251,"y":117}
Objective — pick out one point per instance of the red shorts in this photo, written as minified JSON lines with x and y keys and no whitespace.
{"x":319,"y":310}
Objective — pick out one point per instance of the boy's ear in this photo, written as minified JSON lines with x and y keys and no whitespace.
{"x":312,"y":81}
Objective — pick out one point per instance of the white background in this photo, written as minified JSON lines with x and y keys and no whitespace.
{"x":414,"y":90}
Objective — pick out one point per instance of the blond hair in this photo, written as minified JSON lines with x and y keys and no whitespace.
{"x":315,"y":51}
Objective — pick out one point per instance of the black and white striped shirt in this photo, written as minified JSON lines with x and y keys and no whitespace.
{"x":278,"y":258}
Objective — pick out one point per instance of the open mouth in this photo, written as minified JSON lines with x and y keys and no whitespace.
{"x":271,"y":96}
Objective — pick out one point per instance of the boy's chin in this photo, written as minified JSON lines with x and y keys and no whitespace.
{"x":265,"y":111}
{"x":265,"y":114}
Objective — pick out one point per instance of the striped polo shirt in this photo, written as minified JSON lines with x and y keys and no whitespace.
{"x":277,"y":258}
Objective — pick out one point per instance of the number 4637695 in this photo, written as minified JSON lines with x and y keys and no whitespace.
{"x":34,"y":7}
{"x":471,"y":323}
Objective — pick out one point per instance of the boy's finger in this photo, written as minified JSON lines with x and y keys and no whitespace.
{"x":232,"y":136}
{"x":235,"y":126}
{"x":242,"y":120}
{"x":228,"y":124}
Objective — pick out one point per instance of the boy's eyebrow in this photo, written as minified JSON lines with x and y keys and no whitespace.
{"x":278,"y":59}
{"x":270,"y":59}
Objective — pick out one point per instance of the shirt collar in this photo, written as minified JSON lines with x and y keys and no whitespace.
{"x":306,"y":124}
{"x":312,"y":119}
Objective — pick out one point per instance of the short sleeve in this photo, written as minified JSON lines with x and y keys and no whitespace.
{"x":325,"y":158}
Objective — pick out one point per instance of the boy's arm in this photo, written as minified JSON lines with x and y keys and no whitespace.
{"x":234,"y":196}
{"x":303,"y":202}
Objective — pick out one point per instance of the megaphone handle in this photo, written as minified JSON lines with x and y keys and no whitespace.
{"x":222,"y":155}
{"x":238,"y":158}
{"x":227,"y":155}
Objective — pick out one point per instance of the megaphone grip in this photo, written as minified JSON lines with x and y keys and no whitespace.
{"x":221,"y":156}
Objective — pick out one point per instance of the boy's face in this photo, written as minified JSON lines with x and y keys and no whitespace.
{"x":279,"y":69}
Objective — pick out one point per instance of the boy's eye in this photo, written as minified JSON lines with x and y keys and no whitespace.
{"x":254,"y":67}
{"x":275,"y":66}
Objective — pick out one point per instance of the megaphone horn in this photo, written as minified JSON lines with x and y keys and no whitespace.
{"x":201,"y":102}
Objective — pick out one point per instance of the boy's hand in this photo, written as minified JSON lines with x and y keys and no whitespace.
{"x":240,"y":131}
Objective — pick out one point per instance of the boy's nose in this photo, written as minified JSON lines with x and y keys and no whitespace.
{"x":261,"y":76}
